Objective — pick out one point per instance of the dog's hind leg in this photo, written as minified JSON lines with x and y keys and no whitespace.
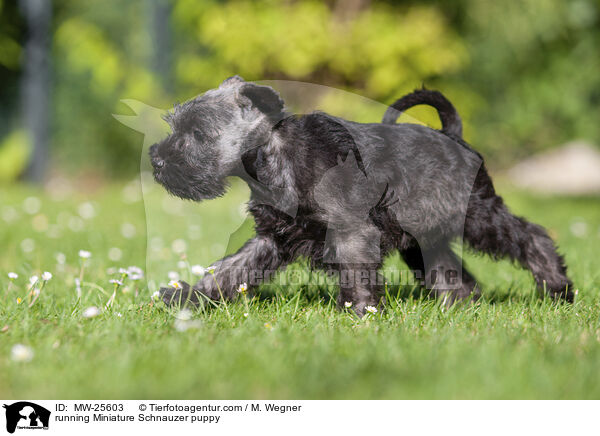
{"x":491,"y":228}
{"x":445,"y":275}
{"x":414,"y":260}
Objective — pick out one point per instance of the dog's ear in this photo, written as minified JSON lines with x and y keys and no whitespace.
{"x":232,"y":81}
{"x":264,"y":98}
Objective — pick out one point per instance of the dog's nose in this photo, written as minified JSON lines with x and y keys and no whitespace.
{"x":157,"y":162}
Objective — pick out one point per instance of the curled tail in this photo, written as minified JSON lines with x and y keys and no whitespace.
{"x":451,"y":122}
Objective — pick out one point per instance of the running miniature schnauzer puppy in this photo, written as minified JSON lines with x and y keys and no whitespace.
{"x":344,"y":194}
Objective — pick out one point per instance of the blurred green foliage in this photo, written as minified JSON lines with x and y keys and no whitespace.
{"x":524,"y":75}
{"x":15,"y":150}
{"x":377,"y":51}
{"x":536,"y":65}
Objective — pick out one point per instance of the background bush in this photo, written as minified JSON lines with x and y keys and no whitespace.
{"x":524,"y":75}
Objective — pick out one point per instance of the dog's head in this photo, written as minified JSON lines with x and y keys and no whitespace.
{"x":209,"y":136}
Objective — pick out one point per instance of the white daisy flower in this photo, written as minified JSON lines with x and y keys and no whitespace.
{"x":579,"y":228}
{"x":198,"y":270}
{"x":60,"y":258}
{"x":128,"y":230}
{"x":179,"y":246}
{"x":115,"y":254}
{"x":46,"y":276}
{"x":175,"y":284}
{"x":371,"y":309}
{"x":13,"y":276}
{"x":348,"y":304}
{"x":116,"y":282}
{"x":242,"y":288}
{"x":27,"y":245}
{"x":184,"y":315}
{"x":84,"y":254}
{"x":32,"y":205}
{"x":173,"y":275}
{"x":210,"y":269}
{"x":183,"y":321}
{"x":155,"y":296}
{"x":135,"y":277}
{"x":91,"y":312}
{"x":21,"y":353}
{"x":86,"y":211}
{"x":180,"y":325}
{"x":78,"y":287}
{"x":123,"y":271}
{"x":33,"y":280}
{"x":135,"y":270}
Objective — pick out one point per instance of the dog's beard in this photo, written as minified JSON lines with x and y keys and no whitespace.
{"x":193,"y":187}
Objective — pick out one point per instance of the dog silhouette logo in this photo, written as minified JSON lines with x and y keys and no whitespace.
{"x":26,"y":415}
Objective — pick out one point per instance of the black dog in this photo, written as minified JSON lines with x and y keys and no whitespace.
{"x":344,"y":194}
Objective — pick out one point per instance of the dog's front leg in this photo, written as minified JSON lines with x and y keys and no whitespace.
{"x":358,"y":259}
{"x":361,"y":287}
{"x":254,"y":263}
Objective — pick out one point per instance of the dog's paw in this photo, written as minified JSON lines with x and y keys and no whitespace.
{"x":182,"y":296}
{"x":565,"y":295}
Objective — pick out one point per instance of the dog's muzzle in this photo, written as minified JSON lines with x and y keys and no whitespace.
{"x":157,"y":162}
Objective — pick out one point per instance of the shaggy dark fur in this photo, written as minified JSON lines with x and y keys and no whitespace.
{"x":345,"y":194}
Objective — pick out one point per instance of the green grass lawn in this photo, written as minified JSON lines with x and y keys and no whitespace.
{"x":293,"y":343}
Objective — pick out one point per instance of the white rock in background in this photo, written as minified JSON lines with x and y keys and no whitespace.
{"x":573,"y":169}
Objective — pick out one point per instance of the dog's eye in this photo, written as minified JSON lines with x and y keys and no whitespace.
{"x":197,"y":135}
{"x":180,"y":144}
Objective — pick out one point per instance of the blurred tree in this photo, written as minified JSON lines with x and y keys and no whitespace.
{"x":535,"y":66}
{"x":126,"y":51}
{"x":159,"y":12}
{"x":377,"y":49}
{"x":524,"y":75}
{"x":36,"y":83}
{"x":105,"y":54}
{"x":12,"y":30}
{"x":14,"y":146}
